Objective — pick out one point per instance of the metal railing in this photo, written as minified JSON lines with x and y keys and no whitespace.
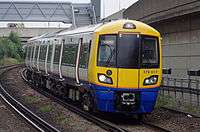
{"x":186,"y":90}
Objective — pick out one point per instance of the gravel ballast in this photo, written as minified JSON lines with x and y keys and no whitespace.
{"x":66,"y":120}
{"x":44,"y":107}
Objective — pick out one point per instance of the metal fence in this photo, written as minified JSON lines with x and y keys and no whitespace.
{"x":183,"y":90}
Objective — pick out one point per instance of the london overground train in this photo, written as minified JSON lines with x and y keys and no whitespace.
{"x":108,"y":67}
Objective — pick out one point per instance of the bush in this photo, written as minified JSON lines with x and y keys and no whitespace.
{"x":11,"y":47}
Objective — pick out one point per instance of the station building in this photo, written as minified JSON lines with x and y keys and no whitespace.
{"x":178,"y":21}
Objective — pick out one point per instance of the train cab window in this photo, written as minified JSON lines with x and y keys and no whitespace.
{"x":128,"y":51}
{"x":107,"y":51}
{"x":149,"y":52}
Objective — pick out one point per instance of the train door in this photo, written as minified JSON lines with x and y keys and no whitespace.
{"x":56,"y":57}
{"x":84,"y":57}
{"x":128,"y":60}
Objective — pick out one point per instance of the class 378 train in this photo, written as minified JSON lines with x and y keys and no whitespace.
{"x":110,"y":67}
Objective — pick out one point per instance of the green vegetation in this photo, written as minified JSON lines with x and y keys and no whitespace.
{"x":63,"y":119}
{"x":167,"y":101}
{"x":178,"y":104}
{"x":192,"y":109}
{"x":9,"y":61}
{"x":45,"y":108}
{"x":31,"y":99}
{"x":11,"y":47}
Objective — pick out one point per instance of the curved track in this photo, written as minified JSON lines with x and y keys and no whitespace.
{"x":30,"y":117}
{"x":102,"y":123}
{"x":107,"y":125}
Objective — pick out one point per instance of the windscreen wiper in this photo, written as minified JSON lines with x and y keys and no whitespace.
{"x":110,"y":57}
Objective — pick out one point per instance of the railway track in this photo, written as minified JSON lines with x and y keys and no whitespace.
{"x":107,"y":125}
{"x":102,"y":123}
{"x":155,"y":126}
{"x":21,"y":110}
{"x":181,"y":112}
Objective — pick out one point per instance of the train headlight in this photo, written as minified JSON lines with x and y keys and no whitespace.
{"x":151,"y":80}
{"x":104,"y":79}
{"x":129,"y":25}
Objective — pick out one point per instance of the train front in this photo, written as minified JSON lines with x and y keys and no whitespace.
{"x":126,"y":73}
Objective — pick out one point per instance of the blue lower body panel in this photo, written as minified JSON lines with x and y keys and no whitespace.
{"x":105,"y":99}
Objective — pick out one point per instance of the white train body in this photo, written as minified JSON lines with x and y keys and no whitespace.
{"x":56,"y":54}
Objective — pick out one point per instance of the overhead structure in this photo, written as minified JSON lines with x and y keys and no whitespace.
{"x":40,"y":11}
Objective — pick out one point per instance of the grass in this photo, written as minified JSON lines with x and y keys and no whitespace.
{"x":31,"y":99}
{"x":46,"y":108}
{"x":9,"y":61}
{"x":192,"y":109}
{"x":166,"y":101}
{"x":62,"y":119}
{"x":170,"y":102}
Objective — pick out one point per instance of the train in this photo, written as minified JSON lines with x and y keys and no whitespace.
{"x":113,"y":67}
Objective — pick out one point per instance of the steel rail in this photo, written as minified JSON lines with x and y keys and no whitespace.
{"x":180,"y":112}
{"x":3,"y":67}
{"x":109,"y":126}
{"x":100,"y":122}
{"x":24,"y":112}
{"x":155,"y":126}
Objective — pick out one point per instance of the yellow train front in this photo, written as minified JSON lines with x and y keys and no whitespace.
{"x":124,"y":70}
{"x":110,"y":67}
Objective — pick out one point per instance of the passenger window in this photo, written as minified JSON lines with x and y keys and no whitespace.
{"x":57,"y":54}
{"x":69,"y":54}
{"x":36,"y":52}
{"x":49,"y":53}
{"x":32,"y":52}
{"x":84,"y":58}
{"x":43,"y":50}
{"x":29,"y":52}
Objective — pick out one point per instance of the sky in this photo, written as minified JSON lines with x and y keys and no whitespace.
{"x":111,"y":6}
{"x":108,"y":7}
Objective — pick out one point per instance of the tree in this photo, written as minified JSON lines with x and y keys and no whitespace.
{"x":11,"y":47}
{"x":17,"y":41}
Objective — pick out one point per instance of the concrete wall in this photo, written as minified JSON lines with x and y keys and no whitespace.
{"x":151,"y":11}
{"x":116,"y":16}
{"x":181,"y":44}
{"x":178,"y":21}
